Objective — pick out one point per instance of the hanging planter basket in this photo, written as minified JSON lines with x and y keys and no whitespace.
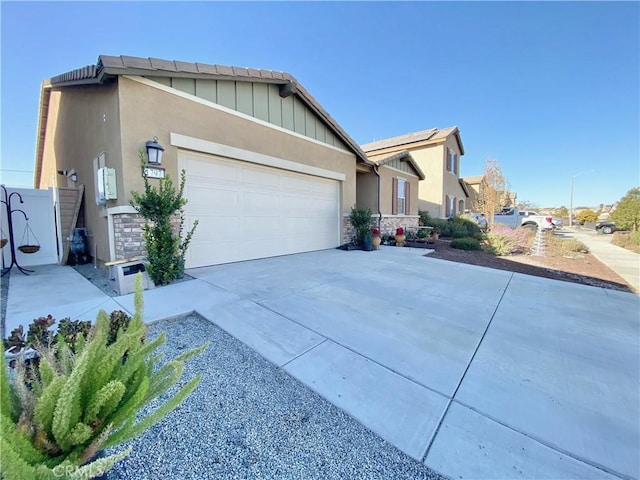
{"x":3,"y":242}
{"x":29,"y":248}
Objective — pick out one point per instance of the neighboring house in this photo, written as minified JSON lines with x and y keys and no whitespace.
{"x":437,"y":153}
{"x":392,"y":194}
{"x":474,"y":185}
{"x":606,"y":210}
{"x":269,"y":171}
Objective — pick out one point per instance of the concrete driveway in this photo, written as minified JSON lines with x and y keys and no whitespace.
{"x":479,"y":373}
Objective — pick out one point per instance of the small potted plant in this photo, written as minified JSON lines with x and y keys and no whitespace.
{"x":433,"y":235}
{"x":367,"y":240}
{"x":376,"y":238}
{"x":400,"y":237}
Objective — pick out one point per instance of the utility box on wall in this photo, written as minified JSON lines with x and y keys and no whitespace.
{"x":107,"y":188}
{"x":125,"y":275}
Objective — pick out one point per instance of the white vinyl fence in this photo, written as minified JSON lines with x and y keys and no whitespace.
{"x":40,"y":228}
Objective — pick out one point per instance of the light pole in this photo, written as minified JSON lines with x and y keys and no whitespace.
{"x":571,"y":200}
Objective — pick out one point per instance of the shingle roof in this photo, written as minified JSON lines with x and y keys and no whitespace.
{"x":404,"y":155}
{"x":431,"y":135}
{"x":124,"y":65}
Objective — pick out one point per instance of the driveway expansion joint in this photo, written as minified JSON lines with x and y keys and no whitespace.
{"x":464,"y":373}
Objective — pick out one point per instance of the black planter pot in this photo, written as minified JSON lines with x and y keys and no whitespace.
{"x":367,"y":244}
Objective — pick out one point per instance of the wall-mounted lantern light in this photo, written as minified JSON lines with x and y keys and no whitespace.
{"x":154,"y":151}
{"x":70,"y":174}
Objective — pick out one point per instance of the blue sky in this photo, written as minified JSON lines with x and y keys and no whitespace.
{"x":550,"y":90}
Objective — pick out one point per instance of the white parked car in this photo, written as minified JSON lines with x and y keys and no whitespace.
{"x":557,"y":222}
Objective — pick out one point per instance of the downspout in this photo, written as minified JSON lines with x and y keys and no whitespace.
{"x":375,"y":170}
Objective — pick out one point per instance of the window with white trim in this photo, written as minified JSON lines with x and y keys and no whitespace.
{"x":402,"y":195}
{"x":451,"y":206}
{"x":452,"y":161}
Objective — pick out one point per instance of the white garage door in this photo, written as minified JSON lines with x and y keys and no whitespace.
{"x":247,"y":211}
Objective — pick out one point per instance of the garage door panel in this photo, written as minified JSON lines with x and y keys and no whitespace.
{"x":248,"y":211}
{"x":260,"y":203}
{"x":261,"y":179}
{"x":219,"y":199}
{"x":294,"y":184}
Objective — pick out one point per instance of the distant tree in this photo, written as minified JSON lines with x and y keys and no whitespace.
{"x":627,"y":213}
{"x":587,"y":216}
{"x":528,"y":205}
{"x":561,"y":212}
{"x":492,"y":189}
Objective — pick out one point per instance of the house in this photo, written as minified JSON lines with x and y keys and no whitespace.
{"x":474,"y":185}
{"x":437,"y":152}
{"x":390,"y":189}
{"x":268,"y":171}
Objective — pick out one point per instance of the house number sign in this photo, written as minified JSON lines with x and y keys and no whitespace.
{"x":153,"y":172}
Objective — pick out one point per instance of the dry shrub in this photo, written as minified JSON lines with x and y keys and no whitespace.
{"x":628,"y":240}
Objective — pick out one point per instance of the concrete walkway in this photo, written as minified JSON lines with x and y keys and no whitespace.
{"x":622,"y":261}
{"x":478,"y":373}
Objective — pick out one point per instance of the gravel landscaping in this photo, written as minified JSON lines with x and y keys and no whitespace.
{"x":249,"y":419}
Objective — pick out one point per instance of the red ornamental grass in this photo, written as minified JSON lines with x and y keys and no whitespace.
{"x":399,"y":231}
{"x":376,"y":232}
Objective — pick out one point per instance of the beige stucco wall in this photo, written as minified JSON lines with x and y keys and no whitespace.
{"x":366,"y":191}
{"x":386,"y":189}
{"x":82,"y":123}
{"x":439,"y":183}
{"x":451,"y":184}
{"x":431,"y":194}
{"x":146,"y":112}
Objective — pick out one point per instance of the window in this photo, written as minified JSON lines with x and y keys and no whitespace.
{"x":450,"y":207}
{"x":400,"y":197}
{"x":452,"y":161}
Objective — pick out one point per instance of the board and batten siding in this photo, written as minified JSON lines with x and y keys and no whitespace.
{"x":259,"y":100}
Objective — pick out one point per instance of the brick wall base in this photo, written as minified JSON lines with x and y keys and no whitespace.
{"x":127,"y":230}
{"x":387,"y":225}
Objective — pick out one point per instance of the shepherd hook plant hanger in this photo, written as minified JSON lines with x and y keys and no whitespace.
{"x":10,"y":212}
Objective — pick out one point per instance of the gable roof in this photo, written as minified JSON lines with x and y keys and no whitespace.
{"x":465,"y":187}
{"x":432,"y":135}
{"x":476,"y":179}
{"x":108,"y":67}
{"x":404,"y":155}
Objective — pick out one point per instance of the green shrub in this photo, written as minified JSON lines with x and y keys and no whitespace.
{"x":52,"y":425}
{"x":470,"y":226}
{"x":118,"y":321}
{"x":425,"y":218}
{"x":466,"y":244}
{"x":71,"y":330}
{"x":165,"y":249}
{"x":360,"y":219}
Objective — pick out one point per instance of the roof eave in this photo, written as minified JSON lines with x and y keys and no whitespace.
{"x":43,"y":111}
